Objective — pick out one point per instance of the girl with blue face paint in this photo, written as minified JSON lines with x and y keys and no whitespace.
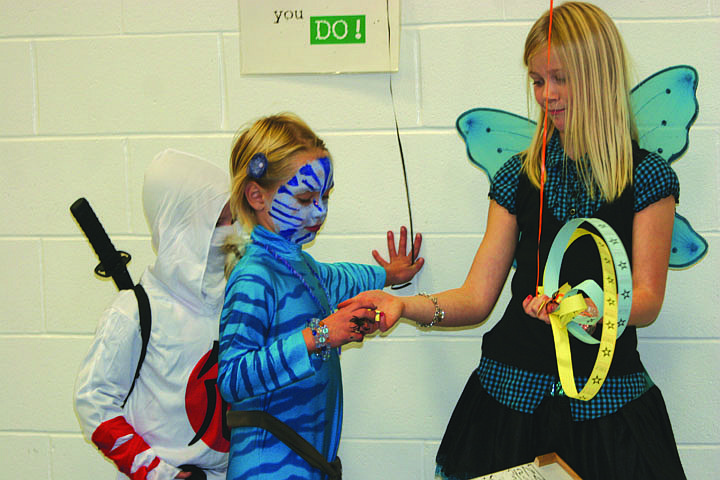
{"x":279,"y":330}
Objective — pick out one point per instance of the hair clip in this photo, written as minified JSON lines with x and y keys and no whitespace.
{"x":257,"y":166}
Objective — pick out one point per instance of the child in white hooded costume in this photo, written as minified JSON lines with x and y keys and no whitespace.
{"x":175,"y":415}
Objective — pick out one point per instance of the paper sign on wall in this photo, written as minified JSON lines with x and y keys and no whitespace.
{"x":319,"y":36}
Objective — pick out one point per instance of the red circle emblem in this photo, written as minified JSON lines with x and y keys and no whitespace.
{"x":205,"y":407}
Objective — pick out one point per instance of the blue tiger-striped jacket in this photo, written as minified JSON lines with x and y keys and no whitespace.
{"x":264,"y":363}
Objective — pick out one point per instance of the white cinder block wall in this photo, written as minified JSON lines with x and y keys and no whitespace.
{"x":90,"y":91}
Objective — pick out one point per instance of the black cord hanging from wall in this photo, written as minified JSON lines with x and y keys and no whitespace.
{"x":402,"y":155}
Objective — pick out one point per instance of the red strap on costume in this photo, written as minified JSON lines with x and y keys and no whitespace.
{"x":106,"y":437}
{"x":542,"y":156}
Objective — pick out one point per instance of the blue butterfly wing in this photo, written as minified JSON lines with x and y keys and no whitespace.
{"x":493,"y":136}
{"x":665,"y":107}
{"x":687,"y":246}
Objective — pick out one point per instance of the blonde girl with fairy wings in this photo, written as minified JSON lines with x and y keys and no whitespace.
{"x":512,"y":408}
{"x":279,"y":337}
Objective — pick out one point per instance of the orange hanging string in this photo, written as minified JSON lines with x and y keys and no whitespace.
{"x":544,"y":148}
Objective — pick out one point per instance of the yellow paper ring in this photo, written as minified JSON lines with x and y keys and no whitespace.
{"x":616,"y":277}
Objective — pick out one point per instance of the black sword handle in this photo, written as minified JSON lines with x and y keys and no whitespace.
{"x":113,"y":263}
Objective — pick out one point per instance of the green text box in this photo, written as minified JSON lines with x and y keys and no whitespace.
{"x":337,"y":29}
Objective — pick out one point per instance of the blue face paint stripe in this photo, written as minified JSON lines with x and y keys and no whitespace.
{"x":275,"y":210}
{"x":308,"y":171}
{"x":311,"y":187}
{"x":282,"y":220}
{"x":299,"y":240}
{"x":283,"y":211}
{"x":287,"y":206}
{"x":325,"y":163}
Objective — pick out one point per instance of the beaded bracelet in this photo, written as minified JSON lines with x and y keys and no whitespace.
{"x":321,"y":334}
{"x":439,"y":315}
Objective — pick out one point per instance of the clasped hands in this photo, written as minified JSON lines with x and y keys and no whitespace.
{"x":351,"y":324}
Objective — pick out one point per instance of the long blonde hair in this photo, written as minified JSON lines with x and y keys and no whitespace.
{"x":278,"y":137}
{"x":599,"y":125}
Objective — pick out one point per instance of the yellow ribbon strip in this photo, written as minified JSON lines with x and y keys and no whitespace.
{"x":569,"y":308}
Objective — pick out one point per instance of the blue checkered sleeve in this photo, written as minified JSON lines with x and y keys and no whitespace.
{"x":503,"y":188}
{"x":654,"y":180}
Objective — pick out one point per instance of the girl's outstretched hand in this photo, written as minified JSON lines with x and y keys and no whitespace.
{"x":400,"y":268}
{"x":390,"y":307}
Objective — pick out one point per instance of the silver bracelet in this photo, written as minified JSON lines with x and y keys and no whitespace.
{"x":439,"y":315}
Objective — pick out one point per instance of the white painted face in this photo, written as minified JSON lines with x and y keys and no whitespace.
{"x":300,"y":206}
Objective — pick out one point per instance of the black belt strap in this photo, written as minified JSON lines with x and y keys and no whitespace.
{"x":260,"y":419}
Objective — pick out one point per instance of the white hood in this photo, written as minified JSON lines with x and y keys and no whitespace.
{"x":183,"y":196}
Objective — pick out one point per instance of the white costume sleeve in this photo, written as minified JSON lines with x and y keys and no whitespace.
{"x":102,"y":384}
